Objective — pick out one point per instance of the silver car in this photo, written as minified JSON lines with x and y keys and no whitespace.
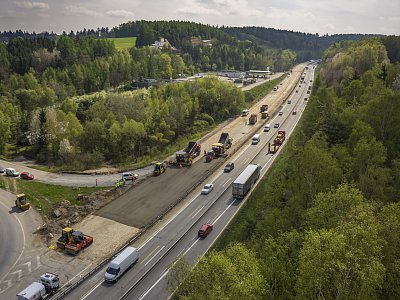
{"x":207,"y":188}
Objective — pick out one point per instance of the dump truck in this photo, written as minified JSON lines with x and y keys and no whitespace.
{"x":224,"y":143}
{"x":21,"y":202}
{"x":278,"y":141}
{"x":65,"y":238}
{"x":210,"y":155}
{"x":48,"y":285}
{"x":185,"y":157}
{"x":264,"y":115}
{"x":159,"y":168}
{"x":253,"y":119}
{"x":245,"y":181}
{"x":263,"y":108}
{"x":79,"y":242}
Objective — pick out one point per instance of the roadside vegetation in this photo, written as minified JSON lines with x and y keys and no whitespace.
{"x":43,"y":196}
{"x":325,"y":221}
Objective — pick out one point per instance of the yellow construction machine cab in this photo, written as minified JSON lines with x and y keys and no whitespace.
{"x":21,"y":202}
{"x":65,"y":238}
{"x":159,"y":168}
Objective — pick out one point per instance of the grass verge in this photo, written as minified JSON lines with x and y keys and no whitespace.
{"x":44,"y":196}
{"x":257,"y":93}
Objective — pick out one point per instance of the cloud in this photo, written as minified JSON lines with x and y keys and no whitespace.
{"x":120,"y":13}
{"x":194,"y":8}
{"x":81,"y":11}
{"x":32,"y":5}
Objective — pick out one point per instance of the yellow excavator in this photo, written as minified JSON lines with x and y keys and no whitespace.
{"x":21,"y":202}
{"x":65,"y":238}
{"x":159,"y":168}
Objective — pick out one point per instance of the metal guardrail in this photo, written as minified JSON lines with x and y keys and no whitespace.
{"x":62,"y":293}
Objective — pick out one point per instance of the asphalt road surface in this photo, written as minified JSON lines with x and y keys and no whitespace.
{"x":146,"y":280}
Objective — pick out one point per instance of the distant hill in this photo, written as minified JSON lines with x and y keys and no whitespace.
{"x":306,"y":45}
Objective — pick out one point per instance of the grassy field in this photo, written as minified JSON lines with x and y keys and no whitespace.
{"x":123,"y":43}
{"x":43,"y":196}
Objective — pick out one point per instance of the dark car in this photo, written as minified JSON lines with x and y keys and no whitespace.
{"x":2,"y":170}
{"x":204,"y":230}
{"x":229,"y":167}
{"x":27,"y":175}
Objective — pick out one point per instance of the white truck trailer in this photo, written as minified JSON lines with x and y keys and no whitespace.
{"x":245,"y":181}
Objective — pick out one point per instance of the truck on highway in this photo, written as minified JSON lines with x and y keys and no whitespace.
{"x":245,"y":181}
{"x":224,"y":143}
{"x":185,"y":157}
{"x":253,"y":119}
{"x":121,"y":263}
{"x":48,"y":285}
{"x":278,"y":141}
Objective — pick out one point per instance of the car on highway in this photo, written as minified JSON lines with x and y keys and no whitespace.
{"x":207,"y":189}
{"x":27,"y":176}
{"x":289,"y":102}
{"x":281,"y":113}
{"x":294,"y":112}
{"x":267,"y":127}
{"x":2,"y":170}
{"x":205,"y":230}
{"x":245,"y":112}
{"x":276,"y":125}
{"x":305,"y":99}
{"x":229,"y":167}
{"x":130,"y":176}
{"x":12,"y":172}
{"x":297,"y":91}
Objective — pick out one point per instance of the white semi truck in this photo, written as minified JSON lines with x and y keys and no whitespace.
{"x":245,"y":181}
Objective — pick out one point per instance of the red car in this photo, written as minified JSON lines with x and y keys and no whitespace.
{"x":27,"y":175}
{"x":205,"y":230}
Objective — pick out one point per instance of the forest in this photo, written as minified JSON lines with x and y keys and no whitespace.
{"x":43,"y":76}
{"x":324,"y":223}
{"x":306,"y":45}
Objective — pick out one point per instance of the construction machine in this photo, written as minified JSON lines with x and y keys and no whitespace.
{"x":159,"y":168}
{"x":79,"y":242}
{"x":224,"y":143}
{"x":65,"y":238}
{"x":263,"y":108}
{"x":21,"y":202}
{"x":185,"y":157}
{"x":264,"y":115}
{"x":210,"y":155}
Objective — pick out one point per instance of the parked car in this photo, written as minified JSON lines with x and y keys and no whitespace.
{"x":276,"y":125}
{"x":205,"y":230}
{"x":207,"y":188}
{"x":130,"y":176}
{"x":26,"y":175}
{"x":229,"y":167}
{"x":2,"y":170}
{"x":281,"y":113}
{"x":11,"y":172}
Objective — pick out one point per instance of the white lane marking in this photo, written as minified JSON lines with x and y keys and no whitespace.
{"x":198,"y":211}
{"x":227,"y":181}
{"x":91,"y":291}
{"x":23,"y":246}
{"x":245,"y":160}
{"x":266,"y":163}
{"x":173,"y":218}
{"x":158,"y":280}
{"x":215,"y":221}
{"x":154,"y":255}
{"x":69,"y":281}
{"x":151,"y":252}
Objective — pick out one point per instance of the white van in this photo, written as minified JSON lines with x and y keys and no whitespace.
{"x":12,"y":172}
{"x":267,"y":127}
{"x":120,"y":264}
{"x":255,"y":139}
{"x":245,"y":112}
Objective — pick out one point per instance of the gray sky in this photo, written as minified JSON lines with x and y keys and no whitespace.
{"x":322,"y":16}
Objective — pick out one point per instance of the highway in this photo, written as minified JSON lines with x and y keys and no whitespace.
{"x":146,"y":280}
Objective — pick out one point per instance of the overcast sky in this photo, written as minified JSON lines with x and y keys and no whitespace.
{"x":322,"y":16}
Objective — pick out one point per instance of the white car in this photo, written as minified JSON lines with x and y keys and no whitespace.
{"x":281,"y":113}
{"x":276,"y":125}
{"x":130,"y":176}
{"x":207,"y":188}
